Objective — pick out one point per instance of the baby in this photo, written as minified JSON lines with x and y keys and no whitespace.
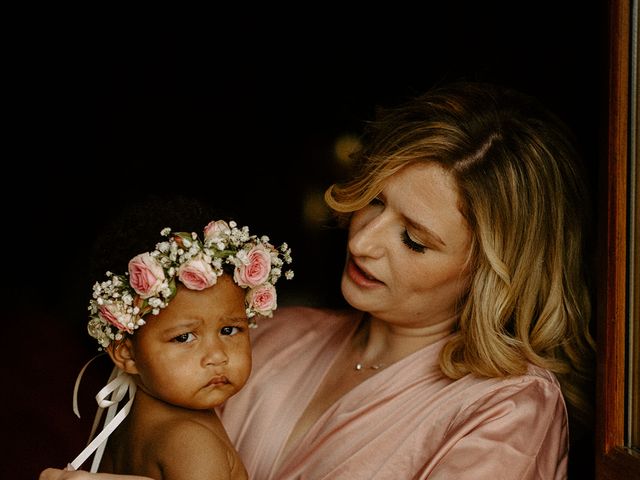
{"x":196,"y":300}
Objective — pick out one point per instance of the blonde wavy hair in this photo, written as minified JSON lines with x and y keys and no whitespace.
{"x":523,"y":196}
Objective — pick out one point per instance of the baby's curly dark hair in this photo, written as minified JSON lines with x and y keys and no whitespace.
{"x":136,"y":229}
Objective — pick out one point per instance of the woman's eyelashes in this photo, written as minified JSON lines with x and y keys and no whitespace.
{"x":406,"y":239}
{"x":413,"y":245}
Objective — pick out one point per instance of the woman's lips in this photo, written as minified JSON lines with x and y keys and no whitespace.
{"x":360,"y":276}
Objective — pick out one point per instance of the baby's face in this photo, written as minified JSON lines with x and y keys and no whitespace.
{"x":196,"y":352}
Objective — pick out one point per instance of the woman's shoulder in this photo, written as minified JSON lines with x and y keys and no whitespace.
{"x":537,"y":387}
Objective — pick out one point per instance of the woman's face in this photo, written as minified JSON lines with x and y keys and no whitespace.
{"x":196,"y":352}
{"x":408,"y":250}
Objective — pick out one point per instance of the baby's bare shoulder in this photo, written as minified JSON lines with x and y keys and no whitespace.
{"x":191,"y":449}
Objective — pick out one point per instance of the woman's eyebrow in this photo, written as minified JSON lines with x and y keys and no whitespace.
{"x":426,"y":231}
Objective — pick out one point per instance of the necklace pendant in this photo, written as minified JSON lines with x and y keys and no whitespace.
{"x":361,"y":366}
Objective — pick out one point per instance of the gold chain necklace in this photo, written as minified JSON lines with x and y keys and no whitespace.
{"x":363,"y":329}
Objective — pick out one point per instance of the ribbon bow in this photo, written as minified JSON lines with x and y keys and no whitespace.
{"x":120,"y":384}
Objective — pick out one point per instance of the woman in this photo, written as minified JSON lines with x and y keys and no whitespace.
{"x":468,"y":339}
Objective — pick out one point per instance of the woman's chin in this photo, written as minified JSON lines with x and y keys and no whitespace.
{"x":357,"y":297}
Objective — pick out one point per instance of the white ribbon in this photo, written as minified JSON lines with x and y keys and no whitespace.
{"x":119,"y":385}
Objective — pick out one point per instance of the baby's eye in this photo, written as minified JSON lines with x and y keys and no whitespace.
{"x":184,"y":338}
{"x":230,"y":330}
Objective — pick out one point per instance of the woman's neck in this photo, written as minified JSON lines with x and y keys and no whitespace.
{"x":384,"y":343}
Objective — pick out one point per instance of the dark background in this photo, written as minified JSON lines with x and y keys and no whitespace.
{"x":240,"y":109}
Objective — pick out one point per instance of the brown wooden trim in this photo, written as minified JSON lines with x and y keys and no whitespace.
{"x":612,"y":248}
{"x":612,"y":459}
{"x":620,"y":463}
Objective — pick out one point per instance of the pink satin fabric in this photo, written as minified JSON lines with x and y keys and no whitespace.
{"x":406,"y":422}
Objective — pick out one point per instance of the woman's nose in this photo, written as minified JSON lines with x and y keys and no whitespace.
{"x":366,"y":234}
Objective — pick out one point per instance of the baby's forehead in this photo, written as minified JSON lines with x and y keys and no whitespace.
{"x":223,"y":300}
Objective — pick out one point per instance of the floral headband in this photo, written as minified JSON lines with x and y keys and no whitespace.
{"x":120,"y":302}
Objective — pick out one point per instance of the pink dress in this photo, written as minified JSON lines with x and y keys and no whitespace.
{"x":408,"y":421}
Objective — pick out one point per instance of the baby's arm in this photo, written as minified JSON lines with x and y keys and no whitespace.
{"x":56,"y":474}
{"x":191,"y":450}
{"x":187,"y":450}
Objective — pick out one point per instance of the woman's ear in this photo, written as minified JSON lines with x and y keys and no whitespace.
{"x":122,"y":355}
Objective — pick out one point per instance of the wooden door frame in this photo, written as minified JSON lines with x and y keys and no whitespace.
{"x":613,"y":459}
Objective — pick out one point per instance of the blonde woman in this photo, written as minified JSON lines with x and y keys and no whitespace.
{"x":467,"y":351}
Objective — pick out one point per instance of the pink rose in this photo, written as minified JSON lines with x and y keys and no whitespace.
{"x":117,"y":317}
{"x":256,"y":269}
{"x":146,"y":275}
{"x":216,"y":230}
{"x":263,"y":299}
{"x":197,"y":274}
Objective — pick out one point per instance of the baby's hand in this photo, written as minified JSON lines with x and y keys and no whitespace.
{"x":67,"y":474}
{"x":70,"y":474}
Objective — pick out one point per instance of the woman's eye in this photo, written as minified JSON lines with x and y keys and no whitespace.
{"x":184,"y":338}
{"x":230,"y":330}
{"x":412,"y":244}
{"x":376,"y":201}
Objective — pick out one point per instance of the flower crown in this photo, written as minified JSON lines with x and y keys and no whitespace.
{"x":120,"y":303}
